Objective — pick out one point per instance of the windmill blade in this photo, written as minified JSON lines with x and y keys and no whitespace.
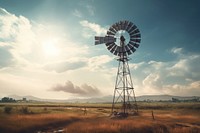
{"x":118,"y":26}
{"x":130,"y":46}
{"x":110,"y":46}
{"x":114,"y":27}
{"x":134,"y":27}
{"x":112,"y":30}
{"x":126,"y":24}
{"x":106,"y":39}
{"x":110,"y":33}
{"x":129,"y":52}
{"x":130,"y":24}
{"x":107,"y":44}
{"x":136,"y":36}
{"x":113,"y":49}
{"x":135,"y":40}
{"x":116,"y":51}
{"x":133,"y":49}
{"x":127,"y":49}
{"x":134,"y":44}
{"x":134,"y":32}
{"x":122,"y":25}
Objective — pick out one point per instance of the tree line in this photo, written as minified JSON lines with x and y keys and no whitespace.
{"x":7,"y":100}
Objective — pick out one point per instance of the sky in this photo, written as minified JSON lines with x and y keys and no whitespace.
{"x":47,"y":47}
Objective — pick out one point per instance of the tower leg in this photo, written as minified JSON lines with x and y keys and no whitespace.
{"x":124,"y":101}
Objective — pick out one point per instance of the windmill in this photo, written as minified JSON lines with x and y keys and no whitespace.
{"x":122,"y":39}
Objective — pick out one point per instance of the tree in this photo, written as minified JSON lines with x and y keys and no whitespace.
{"x":7,"y":100}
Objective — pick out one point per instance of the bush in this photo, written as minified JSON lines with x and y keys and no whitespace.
{"x":7,"y":100}
{"x":24,"y":110}
{"x":7,"y":109}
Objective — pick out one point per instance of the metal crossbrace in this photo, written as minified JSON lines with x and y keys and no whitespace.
{"x":124,"y":89}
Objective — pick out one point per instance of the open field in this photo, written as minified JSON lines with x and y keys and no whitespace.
{"x":71,"y":118}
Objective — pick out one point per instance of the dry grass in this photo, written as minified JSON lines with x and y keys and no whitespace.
{"x":29,"y":123}
{"x":118,"y":126}
{"x":185,"y":130}
{"x":71,"y":119}
{"x":140,"y":124}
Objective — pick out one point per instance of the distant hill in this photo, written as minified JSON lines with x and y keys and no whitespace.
{"x":16,"y":97}
{"x":155,"y":98}
{"x":164,"y":97}
{"x":102,"y":99}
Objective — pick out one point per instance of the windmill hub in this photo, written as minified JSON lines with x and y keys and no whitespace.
{"x":122,"y":39}
{"x":124,"y":101}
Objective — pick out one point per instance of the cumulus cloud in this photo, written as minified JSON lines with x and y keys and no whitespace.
{"x":12,"y":30}
{"x":25,"y":40}
{"x":92,"y":29}
{"x":190,"y":89}
{"x":15,"y":31}
{"x":64,"y":66}
{"x":98,"y":62}
{"x":153,"y":80}
{"x":6,"y":58}
{"x":17,"y":34}
{"x":177,"y":77}
{"x":187,"y":66}
{"x":83,"y":90}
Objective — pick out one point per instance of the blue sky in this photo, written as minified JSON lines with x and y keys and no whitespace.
{"x":47,"y":47}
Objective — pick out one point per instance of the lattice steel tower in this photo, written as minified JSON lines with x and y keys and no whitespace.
{"x":124,"y":101}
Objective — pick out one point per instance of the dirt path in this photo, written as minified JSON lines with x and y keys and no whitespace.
{"x":61,"y":126}
{"x":53,"y":127}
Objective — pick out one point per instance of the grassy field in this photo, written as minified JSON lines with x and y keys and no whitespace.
{"x":70,"y":118}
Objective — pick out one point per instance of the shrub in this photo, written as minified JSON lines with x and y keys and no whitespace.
{"x":7,"y":109}
{"x":24,"y":110}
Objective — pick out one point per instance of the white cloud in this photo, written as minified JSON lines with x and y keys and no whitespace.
{"x":83,"y":90}
{"x":177,"y":50}
{"x":77,"y":13}
{"x":152,"y":81}
{"x":26,"y":41}
{"x":195,"y":85}
{"x":190,"y":89}
{"x":98,"y":62}
{"x":176,"y":77}
{"x":64,"y":66}
{"x":92,"y":29}
{"x":16,"y":32}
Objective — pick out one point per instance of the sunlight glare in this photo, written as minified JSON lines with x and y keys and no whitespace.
{"x":50,"y":48}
